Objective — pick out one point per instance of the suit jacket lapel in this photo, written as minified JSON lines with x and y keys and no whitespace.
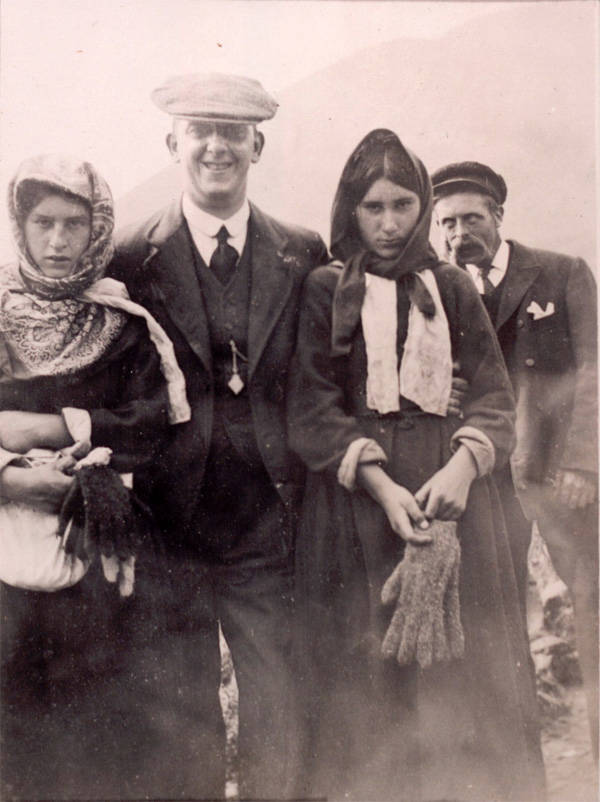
{"x":271,"y":283}
{"x":174,"y":275}
{"x":522,"y":272}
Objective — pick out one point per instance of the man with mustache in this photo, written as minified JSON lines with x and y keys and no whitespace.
{"x":224,"y":280}
{"x":543,"y":306}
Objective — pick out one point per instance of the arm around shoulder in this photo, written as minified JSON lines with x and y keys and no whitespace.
{"x":134,"y":426}
{"x":489,"y":406}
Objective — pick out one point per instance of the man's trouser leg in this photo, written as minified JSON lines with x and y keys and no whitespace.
{"x":572,"y":540}
{"x":175,"y":744}
{"x":255,"y":612}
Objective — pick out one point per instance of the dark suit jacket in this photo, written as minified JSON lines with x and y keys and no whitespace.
{"x":156,"y":262}
{"x":551,"y":361}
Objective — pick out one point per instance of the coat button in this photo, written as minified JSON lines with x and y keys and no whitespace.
{"x":520,"y":324}
{"x":530,"y":362}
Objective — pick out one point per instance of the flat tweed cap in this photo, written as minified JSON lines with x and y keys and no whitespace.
{"x":215,"y":96}
{"x":465,"y":176}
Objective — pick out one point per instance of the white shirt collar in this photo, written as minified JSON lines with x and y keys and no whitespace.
{"x":498,"y":269}
{"x":204,"y":227}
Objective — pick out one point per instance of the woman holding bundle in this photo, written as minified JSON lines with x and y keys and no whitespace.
{"x":82,"y":380}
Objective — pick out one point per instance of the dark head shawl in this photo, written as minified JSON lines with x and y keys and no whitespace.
{"x":379,"y":155}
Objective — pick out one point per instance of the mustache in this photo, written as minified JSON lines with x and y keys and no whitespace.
{"x":463,"y":251}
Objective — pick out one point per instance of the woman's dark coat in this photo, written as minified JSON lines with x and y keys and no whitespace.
{"x":464,"y":730}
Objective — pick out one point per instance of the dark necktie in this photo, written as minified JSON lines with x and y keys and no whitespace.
{"x":488,"y":287}
{"x":224,"y":258}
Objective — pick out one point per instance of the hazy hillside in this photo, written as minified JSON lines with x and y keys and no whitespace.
{"x":515,"y":90}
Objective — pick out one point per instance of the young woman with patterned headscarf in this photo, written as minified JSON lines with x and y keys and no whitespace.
{"x":82,"y":369}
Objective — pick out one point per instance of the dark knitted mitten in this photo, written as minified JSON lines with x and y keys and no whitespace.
{"x":73,"y":511}
{"x":105,"y":522}
{"x":425,"y":625}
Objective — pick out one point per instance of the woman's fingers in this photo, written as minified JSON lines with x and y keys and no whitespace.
{"x":413,"y":508}
{"x":414,"y":534}
{"x":422,"y":494}
{"x":404,"y":514}
{"x":445,"y":494}
{"x":429,"y":501}
{"x":419,"y":537}
{"x":415,"y":522}
{"x":439,"y":499}
{"x":402,"y":525}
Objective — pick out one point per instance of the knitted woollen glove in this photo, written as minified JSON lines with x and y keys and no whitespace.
{"x":425,"y":626}
{"x":432,"y":645}
{"x":455,"y":636}
{"x":405,"y":587}
{"x":391,"y":593}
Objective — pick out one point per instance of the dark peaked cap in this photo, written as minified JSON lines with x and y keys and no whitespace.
{"x":468,"y":176}
{"x":215,"y":96}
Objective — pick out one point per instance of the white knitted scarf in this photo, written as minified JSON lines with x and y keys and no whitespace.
{"x":425,"y":374}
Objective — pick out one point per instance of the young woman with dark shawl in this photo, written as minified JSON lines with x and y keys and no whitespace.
{"x":414,"y":656}
{"x":81,"y":367}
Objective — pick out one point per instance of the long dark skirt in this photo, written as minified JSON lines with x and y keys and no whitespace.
{"x":60,"y":723}
{"x":464,"y":730}
{"x":71,"y":726}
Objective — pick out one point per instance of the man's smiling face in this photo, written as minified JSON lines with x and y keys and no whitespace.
{"x":215,"y":157}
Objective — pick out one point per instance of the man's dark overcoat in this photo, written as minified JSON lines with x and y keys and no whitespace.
{"x":551,"y":360}
{"x":155,"y":261}
{"x":545,"y":320}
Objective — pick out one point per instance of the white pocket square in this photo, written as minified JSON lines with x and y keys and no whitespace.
{"x":536,"y":310}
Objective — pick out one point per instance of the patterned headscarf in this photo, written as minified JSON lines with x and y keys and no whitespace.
{"x":46,"y":328}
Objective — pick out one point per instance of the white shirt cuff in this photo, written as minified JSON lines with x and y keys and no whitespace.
{"x":78,"y":423}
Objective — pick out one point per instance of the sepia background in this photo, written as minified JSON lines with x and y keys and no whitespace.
{"x":512,"y":84}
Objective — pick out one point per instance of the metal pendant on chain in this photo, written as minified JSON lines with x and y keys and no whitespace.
{"x":235,"y":383}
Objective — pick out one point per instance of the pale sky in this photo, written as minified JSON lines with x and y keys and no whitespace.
{"x":77,"y":74}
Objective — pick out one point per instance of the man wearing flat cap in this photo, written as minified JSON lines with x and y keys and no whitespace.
{"x":224,"y":280}
{"x":543,"y":306}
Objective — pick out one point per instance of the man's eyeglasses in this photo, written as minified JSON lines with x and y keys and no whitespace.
{"x":232,"y":132}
